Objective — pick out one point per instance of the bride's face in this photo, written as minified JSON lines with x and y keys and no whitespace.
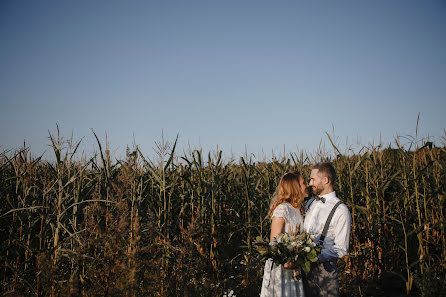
{"x":303,"y":187}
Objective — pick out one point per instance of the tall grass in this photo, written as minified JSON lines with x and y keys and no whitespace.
{"x":182,"y":225}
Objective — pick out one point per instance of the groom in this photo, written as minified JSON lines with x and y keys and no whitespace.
{"x":322,"y":280}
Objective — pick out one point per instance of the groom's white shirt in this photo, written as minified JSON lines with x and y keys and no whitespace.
{"x":338,"y":235}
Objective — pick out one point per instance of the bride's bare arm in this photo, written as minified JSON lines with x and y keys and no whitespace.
{"x":277,"y":226}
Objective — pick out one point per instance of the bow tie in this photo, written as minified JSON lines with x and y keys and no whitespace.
{"x":319,"y":198}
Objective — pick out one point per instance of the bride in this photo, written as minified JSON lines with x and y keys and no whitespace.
{"x":286,"y":213}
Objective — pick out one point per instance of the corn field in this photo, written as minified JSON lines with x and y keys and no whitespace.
{"x":183,"y":225}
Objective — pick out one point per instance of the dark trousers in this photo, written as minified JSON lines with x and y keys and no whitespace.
{"x":322,"y":280}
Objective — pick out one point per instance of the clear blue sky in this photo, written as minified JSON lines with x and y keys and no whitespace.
{"x":254,"y":74}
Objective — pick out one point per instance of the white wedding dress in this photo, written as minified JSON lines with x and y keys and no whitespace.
{"x":278,"y":281}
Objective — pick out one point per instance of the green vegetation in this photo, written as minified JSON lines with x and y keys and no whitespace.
{"x":184,"y":225}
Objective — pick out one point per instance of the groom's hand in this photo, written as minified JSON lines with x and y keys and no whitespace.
{"x":289,"y":265}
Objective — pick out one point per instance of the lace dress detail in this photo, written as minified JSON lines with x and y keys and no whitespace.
{"x":278,"y":281}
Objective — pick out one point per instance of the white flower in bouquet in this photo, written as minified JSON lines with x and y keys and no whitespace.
{"x":299,"y":243}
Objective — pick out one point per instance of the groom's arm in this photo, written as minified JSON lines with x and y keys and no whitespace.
{"x":340,"y":234}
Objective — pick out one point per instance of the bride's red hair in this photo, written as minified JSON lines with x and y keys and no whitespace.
{"x":289,"y":191}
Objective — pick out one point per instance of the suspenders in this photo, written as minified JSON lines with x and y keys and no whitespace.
{"x":327,"y":223}
{"x":329,"y":218}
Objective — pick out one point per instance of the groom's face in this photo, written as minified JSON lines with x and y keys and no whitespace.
{"x":316,"y":182}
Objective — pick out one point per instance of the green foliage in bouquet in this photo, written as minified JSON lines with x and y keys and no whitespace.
{"x":299,"y":249}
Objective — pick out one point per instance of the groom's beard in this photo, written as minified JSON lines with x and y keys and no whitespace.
{"x":317,"y":189}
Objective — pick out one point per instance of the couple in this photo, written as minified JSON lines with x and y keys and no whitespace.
{"x":326,"y":217}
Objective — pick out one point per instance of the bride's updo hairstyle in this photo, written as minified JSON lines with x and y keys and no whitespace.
{"x":289,"y":191}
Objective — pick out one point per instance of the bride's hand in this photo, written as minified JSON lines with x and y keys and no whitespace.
{"x":289,"y":265}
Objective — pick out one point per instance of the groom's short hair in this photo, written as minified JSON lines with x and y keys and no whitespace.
{"x":326,"y":169}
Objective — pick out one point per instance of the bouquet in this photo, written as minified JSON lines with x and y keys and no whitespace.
{"x":297,"y":248}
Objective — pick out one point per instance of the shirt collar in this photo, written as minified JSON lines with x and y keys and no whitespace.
{"x":329,"y":196}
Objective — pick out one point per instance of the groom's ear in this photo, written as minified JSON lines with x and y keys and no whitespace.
{"x":326,"y":180}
